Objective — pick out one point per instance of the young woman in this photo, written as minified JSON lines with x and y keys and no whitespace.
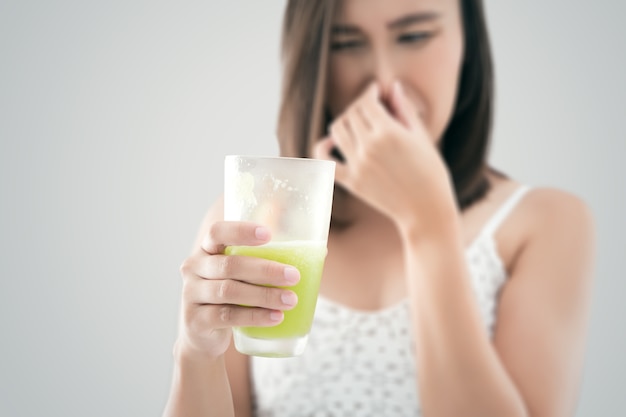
{"x":449,"y":289}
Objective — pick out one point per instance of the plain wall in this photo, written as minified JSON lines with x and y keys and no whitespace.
{"x":114,"y":120}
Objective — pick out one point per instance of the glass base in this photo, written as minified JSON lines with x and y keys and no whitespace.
{"x":269,"y":348}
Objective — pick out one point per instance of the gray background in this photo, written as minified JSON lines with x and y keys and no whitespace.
{"x":114,"y":120}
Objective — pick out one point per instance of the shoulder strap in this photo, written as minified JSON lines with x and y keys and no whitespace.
{"x":505,"y":209}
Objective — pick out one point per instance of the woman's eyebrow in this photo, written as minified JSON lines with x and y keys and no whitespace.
{"x":407,"y":20}
{"x":412,"y":19}
{"x":343,"y":29}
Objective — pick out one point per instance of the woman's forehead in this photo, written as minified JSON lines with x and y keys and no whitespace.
{"x":376,"y":12}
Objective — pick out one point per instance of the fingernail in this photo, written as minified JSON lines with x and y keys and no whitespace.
{"x":262,"y":233}
{"x":289,"y":298}
{"x":292,"y":275}
{"x":276,"y":316}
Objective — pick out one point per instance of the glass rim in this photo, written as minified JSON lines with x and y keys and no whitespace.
{"x":280,"y":158}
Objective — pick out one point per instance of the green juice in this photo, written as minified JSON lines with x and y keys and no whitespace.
{"x":308,"y":257}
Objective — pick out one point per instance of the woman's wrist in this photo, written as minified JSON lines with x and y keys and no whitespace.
{"x":440,"y":220}
{"x":200,"y":384}
{"x":183,"y":352}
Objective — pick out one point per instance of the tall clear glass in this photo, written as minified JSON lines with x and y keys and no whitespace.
{"x":292,"y":197}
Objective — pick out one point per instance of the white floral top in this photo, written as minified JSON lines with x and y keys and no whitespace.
{"x":360,"y":363}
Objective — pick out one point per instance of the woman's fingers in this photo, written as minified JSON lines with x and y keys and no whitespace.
{"x":221,"y":291}
{"x":375,"y":112}
{"x":200,"y":319}
{"x":402,"y":108}
{"x":222,"y":234}
{"x":245,"y":268}
{"x":343,"y":137}
{"x":359,"y":123}
{"x":352,"y":128}
{"x":217,"y":299}
{"x":360,"y":119}
{"x":231,"y":292}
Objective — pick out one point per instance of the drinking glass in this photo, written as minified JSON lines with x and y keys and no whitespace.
{"x":292,"y":197}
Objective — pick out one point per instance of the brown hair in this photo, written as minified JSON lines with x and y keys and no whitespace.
{"x":302,"y":119}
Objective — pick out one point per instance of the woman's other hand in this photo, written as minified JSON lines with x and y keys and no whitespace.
{"x":390,"y":160}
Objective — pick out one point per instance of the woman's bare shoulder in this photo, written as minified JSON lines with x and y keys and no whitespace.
{"x":542,"y":206}
{"x":545,"y":216}
{"x":540,"y":199}
{"x":555,"y":222}
{"x":549,"y":208}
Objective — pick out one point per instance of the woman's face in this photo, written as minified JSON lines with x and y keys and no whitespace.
{"x":418,"y":42}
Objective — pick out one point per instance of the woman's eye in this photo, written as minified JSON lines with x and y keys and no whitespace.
{"x":415,"y":37}
{"x":345,"y":45}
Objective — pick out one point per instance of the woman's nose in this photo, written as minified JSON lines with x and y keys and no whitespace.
{"x":384,"y":72}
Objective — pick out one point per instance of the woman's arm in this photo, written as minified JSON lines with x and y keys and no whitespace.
{"x":391,"y":163}
{"x":544,"y":308}
{"x":533,"y":366}
{"x":204,"y":385}
{"x":200,"y":387}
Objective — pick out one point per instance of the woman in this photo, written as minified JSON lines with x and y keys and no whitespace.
{"x":449,"y":289}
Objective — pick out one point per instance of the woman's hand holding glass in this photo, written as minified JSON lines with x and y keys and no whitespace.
{"x":221,"y":291}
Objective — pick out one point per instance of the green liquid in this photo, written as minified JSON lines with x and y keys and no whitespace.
{"x":308,"y":257}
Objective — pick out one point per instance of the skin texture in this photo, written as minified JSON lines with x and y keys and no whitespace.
{"x":391,"y":100}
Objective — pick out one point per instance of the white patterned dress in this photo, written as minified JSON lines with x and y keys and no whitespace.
{"x":361,"y":363}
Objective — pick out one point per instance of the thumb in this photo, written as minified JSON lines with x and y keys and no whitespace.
{"x":402,"y":108}
{"x":324,"y":150}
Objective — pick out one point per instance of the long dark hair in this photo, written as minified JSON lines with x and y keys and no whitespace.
{"x":302,"y":119}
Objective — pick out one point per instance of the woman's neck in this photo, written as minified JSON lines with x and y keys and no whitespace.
{"x":350,"y":212}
